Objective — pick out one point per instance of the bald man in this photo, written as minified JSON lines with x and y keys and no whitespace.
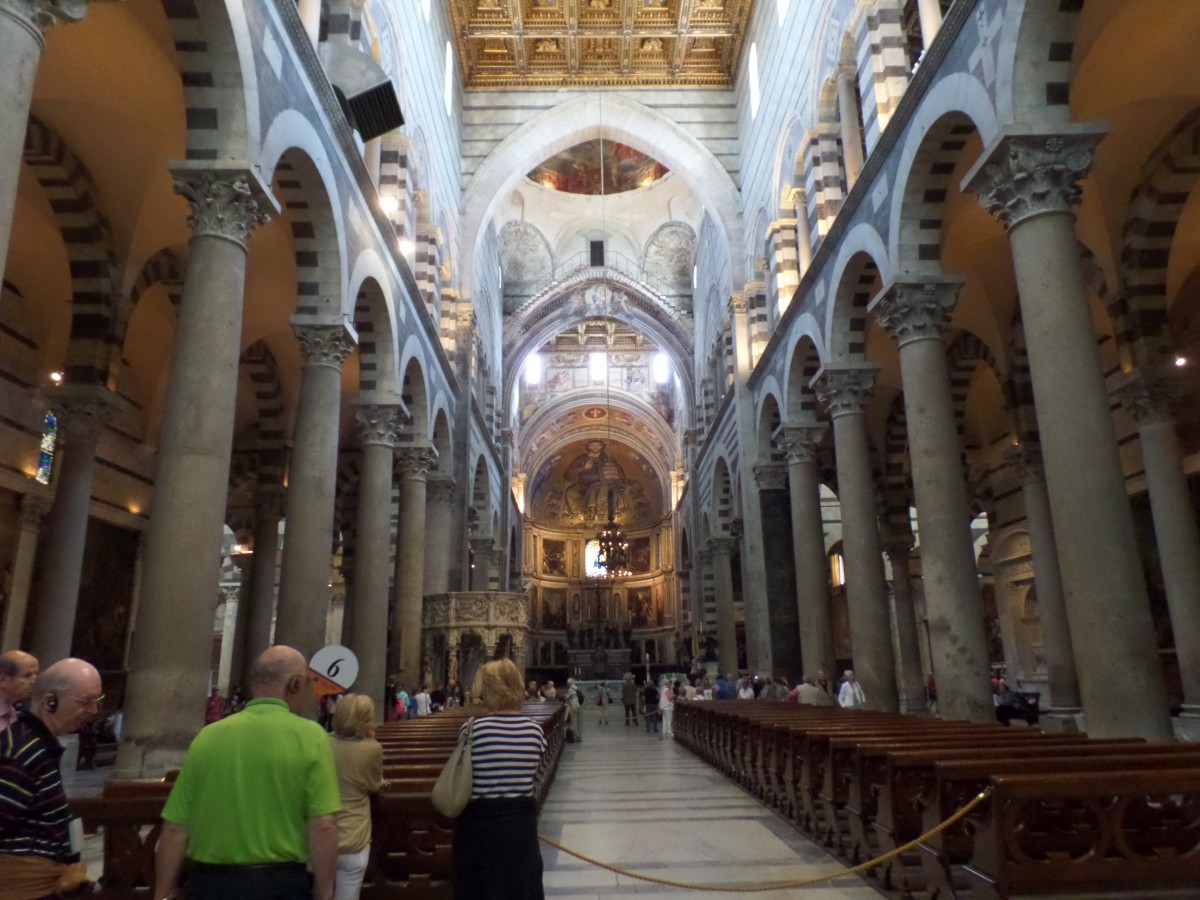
{"x":38,"y":857}
{"x":254,"y":804}
{"x":18,"y":672}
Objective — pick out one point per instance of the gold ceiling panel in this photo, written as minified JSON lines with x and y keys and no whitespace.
{"x":590,"y":43}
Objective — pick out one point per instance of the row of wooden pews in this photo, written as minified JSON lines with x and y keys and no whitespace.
{"x":1067,"y":816}
{"x":411,"y":843}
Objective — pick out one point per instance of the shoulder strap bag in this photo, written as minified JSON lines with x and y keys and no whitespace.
{"x":452,"y":790}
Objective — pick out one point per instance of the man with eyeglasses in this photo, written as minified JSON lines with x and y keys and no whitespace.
{"x":18,"y":672}
{"x":39,"y":847}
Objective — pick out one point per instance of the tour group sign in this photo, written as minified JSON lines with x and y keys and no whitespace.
{"x":334,"y":669}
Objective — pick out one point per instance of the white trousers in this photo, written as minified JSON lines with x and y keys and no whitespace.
{"x":351,"y":867}
{"x":668,"y":721}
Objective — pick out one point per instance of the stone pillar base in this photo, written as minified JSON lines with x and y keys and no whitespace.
{"x":1187,"y":724}
{"x":1062,"y":720}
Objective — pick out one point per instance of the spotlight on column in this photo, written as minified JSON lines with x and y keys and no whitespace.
{"x":364,"y":91}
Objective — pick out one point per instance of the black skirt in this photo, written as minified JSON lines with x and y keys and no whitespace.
{"x":496,"y":852}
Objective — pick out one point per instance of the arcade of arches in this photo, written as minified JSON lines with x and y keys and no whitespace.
{"x":877,"y":320}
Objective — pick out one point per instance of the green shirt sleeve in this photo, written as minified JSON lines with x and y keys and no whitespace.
{"x":323,"y":796}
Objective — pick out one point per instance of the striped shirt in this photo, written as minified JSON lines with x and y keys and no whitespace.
{"x":34,"y":816}
{"x":506,"y":751}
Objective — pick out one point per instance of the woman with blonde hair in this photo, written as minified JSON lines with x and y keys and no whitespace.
{"x":359,"y":760}
{"x":496,"y":853}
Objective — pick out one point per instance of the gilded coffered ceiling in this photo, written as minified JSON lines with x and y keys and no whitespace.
{"x":577,"y":43}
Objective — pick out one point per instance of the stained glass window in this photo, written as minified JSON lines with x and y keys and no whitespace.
{"x":46,"y":453}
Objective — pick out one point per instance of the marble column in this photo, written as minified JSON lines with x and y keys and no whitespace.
{"x":808,"y":545}
{"x":413,"y":462}
{"x":1032,"y":181}
{"x":719,"y":553}
{"x":368,"y":634}
{"x":930,"y":12}
{"x":912,"y":677}
{"x":312,"y":476}
{"x":264,"y":566}
{"x":845,"y":391}
{"x":33,"y":508}
{"x":237,"y":637}
{"x":439,"y":520}
{"x":1052,"y":611}
{"x":164,"y":697}
{"x":852,"y":148}
{"x":916,"y":315}
{"x":22,"y":40}
{"x":782,"y":608}
{"x":83,"y":412}
{"x":1152,"y":399}
{"x":804,"y":250}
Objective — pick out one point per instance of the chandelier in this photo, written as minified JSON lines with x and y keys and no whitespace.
{"x":613,"y":553}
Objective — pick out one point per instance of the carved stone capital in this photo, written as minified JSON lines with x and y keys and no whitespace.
{"x":916,"y":311}
{"x":38,"y":15}
{"x":413,"y":461}
{"x":439,"y":490}
{"x":1151,"y":396}
{"x":84,"y":411}
{"x":1025,"y":460}
{"x":770,"y":477}
{"x":226,"y":204}
{"x":845,"y":390}
{"x":1025,"y":175}
{"x":324,"y":345}
{"x":481,"y":547}
{"x":898,"y":548}
{"x":801,"y":442}
{"x":378,"y":423}
{"x":719,"y":547}
{"x":739,"y":304}
{"x":506,"y":437}
{"x":33,"y":508}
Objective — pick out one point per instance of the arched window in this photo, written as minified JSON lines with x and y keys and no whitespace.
{"x":781,"y":7}
{"x":46,"y":451}
{"x":448,"y":87}
{"x":837,"y":569}
{"x":755,"y":92}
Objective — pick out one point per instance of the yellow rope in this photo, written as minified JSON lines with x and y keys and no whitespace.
{"x":783,"y":885}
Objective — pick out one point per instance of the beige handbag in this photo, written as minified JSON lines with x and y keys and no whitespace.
{"x":452,"y":790}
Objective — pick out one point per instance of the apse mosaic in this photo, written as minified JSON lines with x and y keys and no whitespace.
{"x":571,"y":487}
{"x":596,"y":167}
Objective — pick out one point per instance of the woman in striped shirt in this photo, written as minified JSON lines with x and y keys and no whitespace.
{"x":496,"y":853}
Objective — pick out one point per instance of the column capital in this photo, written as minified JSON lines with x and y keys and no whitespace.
{"x":324,"y":343}
{"x":801,"y":442}
{"x":83,"y":411}
{"x":37,"y":15}
{"x":1025,"y":460}
{"x":739,"y":304}
{"x":439,"y":490}
{"x":413,"y":461}
{"x":1026,"y":174}
{"x":770,"y":477}
{"x":916,"y":310}
{"x":845,"y":389}
{"x":224,"y":202}
{"x":719,"y":546}
{"x":1151,"y":394}
{"x":33,"y":507}
{"x":379,"y":423}
{"x":899,"y":546}
{"x":506,"y":438}
{"x":482,"y":545}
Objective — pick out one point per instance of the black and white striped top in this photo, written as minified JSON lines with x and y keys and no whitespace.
{"x":505,"y":754}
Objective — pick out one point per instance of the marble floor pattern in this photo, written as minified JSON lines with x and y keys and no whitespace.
{"x":647,"y":804}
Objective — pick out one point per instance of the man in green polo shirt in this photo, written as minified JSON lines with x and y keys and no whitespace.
{"x":254,"y":804}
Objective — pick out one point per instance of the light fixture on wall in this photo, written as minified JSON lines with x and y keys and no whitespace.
{"x":613,"y":555}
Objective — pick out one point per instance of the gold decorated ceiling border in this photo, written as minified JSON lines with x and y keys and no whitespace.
{"x":614,"y":43}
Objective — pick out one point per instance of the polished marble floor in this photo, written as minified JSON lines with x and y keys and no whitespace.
{"x":646,"y":804}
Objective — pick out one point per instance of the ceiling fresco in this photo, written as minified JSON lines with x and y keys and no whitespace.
{"x":570,"y":489}
{"x":578,"y":43}
{"x":579,"y":169}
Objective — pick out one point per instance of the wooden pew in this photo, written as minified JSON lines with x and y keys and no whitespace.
{"x":958,"y":782}
{"x":1094,"y":833}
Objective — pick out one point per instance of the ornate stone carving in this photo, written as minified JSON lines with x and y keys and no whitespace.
{"x":221,"y":205}
{"x":415,"y":460}
{"x":719,"y":547}
{"x":845,"y":391}
{"x":770,"y":477}
{"x":85,"y":412}
{"x":801,"y":442}
{"x":324,"y":345}
{"x":739,"y":304}
{"x":1151,"y":396}
{"x":43,"y":13}
{"x":378,"y":424}
{"x":917,"y":311}
{"x":439,"y":490}
{"x":1030,"y":174}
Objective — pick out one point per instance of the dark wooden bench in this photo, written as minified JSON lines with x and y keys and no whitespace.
{"x":1121,"y":833}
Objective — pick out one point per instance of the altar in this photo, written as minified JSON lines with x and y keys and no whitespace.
{"x":599,"y":663}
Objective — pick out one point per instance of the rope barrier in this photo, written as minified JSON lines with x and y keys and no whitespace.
{"x":782,"y":885}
